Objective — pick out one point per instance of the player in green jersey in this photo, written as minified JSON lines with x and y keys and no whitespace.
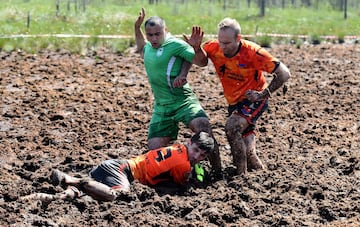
{"x":167,"y":61}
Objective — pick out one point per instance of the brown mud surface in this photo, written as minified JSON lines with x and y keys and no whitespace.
{"x":66,"y":111}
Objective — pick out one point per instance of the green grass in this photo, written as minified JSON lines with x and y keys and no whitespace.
{"x":110,"y":17}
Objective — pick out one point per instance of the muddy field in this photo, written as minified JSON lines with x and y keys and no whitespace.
{"x":66,"y":111}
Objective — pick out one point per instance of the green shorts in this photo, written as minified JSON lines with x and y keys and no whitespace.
{"x":166,"y":118}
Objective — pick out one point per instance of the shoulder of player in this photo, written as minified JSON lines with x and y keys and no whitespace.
{"x":213,"y":42}
{"x":172,"y":40}
{"x":178,"y":151}
{"x":179,"y":148}
{"x":249,"y":45}
{"x":211,"y":46}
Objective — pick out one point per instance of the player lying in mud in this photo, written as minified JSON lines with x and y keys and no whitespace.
{"x":171,"y":164}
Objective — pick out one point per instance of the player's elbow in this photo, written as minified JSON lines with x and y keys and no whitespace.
{"x":200,"y":62}
{"x":283,"y":72}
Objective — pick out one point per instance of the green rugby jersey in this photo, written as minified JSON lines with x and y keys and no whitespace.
{"x":163,"y":65}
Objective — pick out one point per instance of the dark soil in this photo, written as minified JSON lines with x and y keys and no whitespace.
{"x":68,"y":111}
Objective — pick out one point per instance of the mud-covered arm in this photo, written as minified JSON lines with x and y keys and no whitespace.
{"x":281,"y":75}
{"x":200,"y":58}
{"x":195,"y":40}
{"x":181,"y":79}
{"x":139,"y":35}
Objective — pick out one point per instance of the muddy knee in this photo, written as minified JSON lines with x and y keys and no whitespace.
{"x":200,"y":124}
{"x":235,"y":125}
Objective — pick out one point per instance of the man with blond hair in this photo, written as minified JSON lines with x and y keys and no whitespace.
{"x":240,"y":65}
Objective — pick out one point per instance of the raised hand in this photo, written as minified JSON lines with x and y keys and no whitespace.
{"x":196,"y":37}
{"x":140,"y":19}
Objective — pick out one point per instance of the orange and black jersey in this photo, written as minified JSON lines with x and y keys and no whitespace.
{"x":242,"y":72}
{"x":163,"y":164}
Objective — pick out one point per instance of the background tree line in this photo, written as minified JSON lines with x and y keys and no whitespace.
{"x":340,"y":5}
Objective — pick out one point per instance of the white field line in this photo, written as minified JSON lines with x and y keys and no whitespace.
{"x":347,"y":37}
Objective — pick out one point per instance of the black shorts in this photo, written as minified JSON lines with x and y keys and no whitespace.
{"x":251,"y":111}
{"x":113,"y":173}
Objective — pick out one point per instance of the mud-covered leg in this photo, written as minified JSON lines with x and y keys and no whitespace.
{"x":202,"y":124}
{"x":234,"y":128}
{"x":214,"y":159}
{"x":238,"y":152}
{"x":60,"y":178}
{"x":69,"y":194}
{"x":43,"y":197}
{"x":253,"y":161}
{"x":97,"y":190}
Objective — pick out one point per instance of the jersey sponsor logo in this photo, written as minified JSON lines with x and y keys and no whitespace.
{"x":236,"y":77}
{"x":232,"y":76}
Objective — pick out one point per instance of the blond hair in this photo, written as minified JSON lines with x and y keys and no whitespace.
{"x":229,"y":23}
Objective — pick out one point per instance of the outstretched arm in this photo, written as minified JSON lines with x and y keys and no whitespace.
{"x":195,"y":40}
{"x":139,"y":35}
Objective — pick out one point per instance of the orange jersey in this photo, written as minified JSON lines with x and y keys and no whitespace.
{"x":163,"y":164}
{"x":242,"y":72}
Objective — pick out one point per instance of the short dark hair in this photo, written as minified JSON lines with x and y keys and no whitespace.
{"x":204,"y":141}
{"x":155,"y":20}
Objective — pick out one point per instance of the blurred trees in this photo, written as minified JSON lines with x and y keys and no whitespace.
{"x":340,"y":5}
